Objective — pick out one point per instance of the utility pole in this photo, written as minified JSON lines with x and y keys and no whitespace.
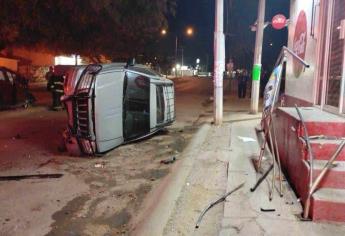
{"x":254,"y":105}
{"x":176,"y":44}
{"x":219,"y":63}
{"x":181,"y":61}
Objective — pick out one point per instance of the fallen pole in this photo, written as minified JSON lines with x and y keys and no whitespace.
{"x":21,"y":177}
{"x":279,"y":163}
{"x":261,"y":179}
{"x":215,"y":203}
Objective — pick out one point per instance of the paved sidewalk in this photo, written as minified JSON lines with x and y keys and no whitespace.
{"x":242,"y":210}
{"x":216,"y":161}
{"x":198,"y":178}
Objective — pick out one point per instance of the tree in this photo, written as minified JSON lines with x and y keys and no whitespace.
{"x":116,"y":28}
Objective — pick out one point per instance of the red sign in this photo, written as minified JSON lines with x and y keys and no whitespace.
{"x":300,"y":42}
{"x":278,"y":21}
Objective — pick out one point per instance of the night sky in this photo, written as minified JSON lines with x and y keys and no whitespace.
{"x":200,"y":15}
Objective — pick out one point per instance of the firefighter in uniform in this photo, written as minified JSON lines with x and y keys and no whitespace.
{"x":56,"y":88}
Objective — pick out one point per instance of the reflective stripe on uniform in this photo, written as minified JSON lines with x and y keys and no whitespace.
{"x":58,"y":83}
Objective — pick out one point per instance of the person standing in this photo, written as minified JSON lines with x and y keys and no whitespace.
{"x":242,"y":84}
{"x":55,"y":87}
{"x":57,"y":91}
{"x":48,"y":77}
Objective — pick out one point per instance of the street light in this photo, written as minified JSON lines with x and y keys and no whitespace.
{"x":163,"y":32}
{"x":189,"y":32}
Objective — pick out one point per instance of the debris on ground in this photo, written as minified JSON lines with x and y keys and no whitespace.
{"x":168,"y":161}
{"x":215,"y":203}
{"x":263,"y":177}
{"x":21,"y":177}
{"x":267,"y":210}
{"x":246,"y":139}
{"x":99,"y":165}
{"x":50,"y":161}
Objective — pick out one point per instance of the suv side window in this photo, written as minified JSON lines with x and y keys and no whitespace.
{"x":137,"y":94}
{"x":160,"y":104}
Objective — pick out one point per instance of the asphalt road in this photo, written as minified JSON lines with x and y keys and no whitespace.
{"x":94,"y":196}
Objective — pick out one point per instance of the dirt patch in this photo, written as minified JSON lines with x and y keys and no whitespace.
{"x":152,"y":174}
{"x":117,"y":221}
{"x":66,"y":222}
{"x":118,"y":183}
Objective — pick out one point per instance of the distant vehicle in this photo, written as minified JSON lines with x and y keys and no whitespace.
{"x":112,"y":104}
{"x":204,"y":74}
{"x":14,"y":89}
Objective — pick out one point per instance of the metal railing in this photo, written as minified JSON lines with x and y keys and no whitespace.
{"x":312,"y":185}
{"x":267,"y":121}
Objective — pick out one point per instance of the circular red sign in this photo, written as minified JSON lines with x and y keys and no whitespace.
{"x":300,"y":42}
{"x":278,"y":21}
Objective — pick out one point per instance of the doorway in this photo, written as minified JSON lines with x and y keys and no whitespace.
{"x":332,"y":70}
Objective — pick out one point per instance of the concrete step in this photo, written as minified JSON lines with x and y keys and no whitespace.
{"x":324,"y":149}
{"x":334,"y":178}
{"x":328,"y":204}
{"x":336,"y":129}
{"x":318,"y":122}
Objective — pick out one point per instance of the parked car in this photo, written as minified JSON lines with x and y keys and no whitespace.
{"x":14,"y":89}
{"x":112,"y":104}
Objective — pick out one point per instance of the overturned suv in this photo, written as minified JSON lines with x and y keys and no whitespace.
{"x":109,"y":105}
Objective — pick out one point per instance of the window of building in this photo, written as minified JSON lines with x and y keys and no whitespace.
{"x":336,"y":56}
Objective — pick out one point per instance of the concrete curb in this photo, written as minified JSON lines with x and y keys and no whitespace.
{"x":161,"y":202}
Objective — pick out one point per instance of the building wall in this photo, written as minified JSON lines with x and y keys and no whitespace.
{"x":33,"y":64}
{"x":36,"y":58}
{"x":301,"y":86}
{"x":9,"y":63}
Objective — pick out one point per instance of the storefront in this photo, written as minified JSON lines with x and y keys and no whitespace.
{"x":316,"y":33}
{"x":316,"y":168}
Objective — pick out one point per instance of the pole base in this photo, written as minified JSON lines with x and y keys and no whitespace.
{"x":301,"y":218}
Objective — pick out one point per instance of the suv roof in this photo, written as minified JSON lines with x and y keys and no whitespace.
{"x":138,"y":68}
